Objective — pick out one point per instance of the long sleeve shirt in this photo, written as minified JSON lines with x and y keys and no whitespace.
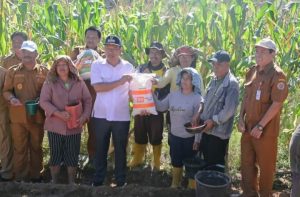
{"x":170,"y":77}
{"x":220,"y":105}
{"x":3,"y":102}
{"x":54,"y":97}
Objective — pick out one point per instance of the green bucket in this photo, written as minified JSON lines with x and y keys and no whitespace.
{"x":31,"y":107}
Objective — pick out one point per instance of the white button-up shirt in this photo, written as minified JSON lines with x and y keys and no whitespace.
{"x":112,"y":105}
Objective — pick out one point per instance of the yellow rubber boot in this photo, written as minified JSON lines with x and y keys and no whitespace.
{"x":192,"y":184}
{"x":176,"y":177}
{"x":138,"y":155}
{"x":156,"y":157}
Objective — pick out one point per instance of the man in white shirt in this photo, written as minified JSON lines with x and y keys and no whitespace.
{"x":110,"y":78}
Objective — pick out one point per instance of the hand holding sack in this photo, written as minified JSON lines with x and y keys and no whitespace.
{"x":75,"y":111}
{"x":141,"y":93}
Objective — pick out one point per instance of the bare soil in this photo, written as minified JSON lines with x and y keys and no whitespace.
{"x":142,"y":182}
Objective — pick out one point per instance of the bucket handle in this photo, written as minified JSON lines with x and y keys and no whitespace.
{"x":37,"y":100}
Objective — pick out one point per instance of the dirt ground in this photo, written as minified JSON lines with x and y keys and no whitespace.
{"x":142,"y":182}
{"x":44,"y":189}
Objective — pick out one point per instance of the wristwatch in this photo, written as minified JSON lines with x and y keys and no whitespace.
{"x":11,"y":97}
{"x":260,"y":127}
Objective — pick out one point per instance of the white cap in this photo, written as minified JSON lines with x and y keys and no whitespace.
{"x":267,"y":43}
{"x":29,"y":46}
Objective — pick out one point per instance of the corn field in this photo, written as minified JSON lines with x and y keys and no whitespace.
{"x":233,"y":25}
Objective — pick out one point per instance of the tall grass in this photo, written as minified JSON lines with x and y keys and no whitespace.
{"x":233,"y":25}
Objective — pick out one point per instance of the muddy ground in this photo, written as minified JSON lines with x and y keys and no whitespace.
{"x":142,"y":182}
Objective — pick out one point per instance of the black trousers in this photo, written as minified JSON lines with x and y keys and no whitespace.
{"x":119,"y":131}
{"x":214,"y":149}
{"x":180,"y":149}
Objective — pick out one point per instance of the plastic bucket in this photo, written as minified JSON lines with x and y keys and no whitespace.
{"x":215,"y":167}
{"x":192,"y":166}
{"x":75,"y":111}
{"x":212,"y":184}
{"x":31,"y":107}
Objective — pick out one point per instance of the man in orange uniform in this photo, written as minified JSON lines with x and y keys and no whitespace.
{"x":23,"y":82}
{"x":17,"y":39}
{"x":6,"y":147}
{"x":265,"y":91}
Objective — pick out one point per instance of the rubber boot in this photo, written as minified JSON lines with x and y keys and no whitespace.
{"x":192,"y":184}
{"x":138,"y":155}
{"x":176,"y":177}
{"x":156,"y":157}
{"x":71,"y":174}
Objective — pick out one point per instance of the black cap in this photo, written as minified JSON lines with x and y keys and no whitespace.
{"x":158,"y":46}
{"x":113,"y":40}
{"x":220,"y":56}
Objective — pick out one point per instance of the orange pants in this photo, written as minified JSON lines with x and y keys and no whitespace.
{"x":6,"y":147}
{"x":28,"y":153}
{"x":258,"y":156}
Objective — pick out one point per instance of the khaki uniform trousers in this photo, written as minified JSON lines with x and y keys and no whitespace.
{"x":28,"y":154}
{"x":6,"y":147}
{"x":258,"y":157}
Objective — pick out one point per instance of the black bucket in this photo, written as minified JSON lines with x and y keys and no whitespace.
{"x":215,"y":167}
{"x":192,"y":166}
{"x":212,"y":184}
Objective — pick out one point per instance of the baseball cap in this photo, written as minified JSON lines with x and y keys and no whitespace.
{"x":29,"y":46}
{"x":267,"y":43}
{"x":113,"y":40}
{"x":158,"y":46}
{"x":220,"y":56}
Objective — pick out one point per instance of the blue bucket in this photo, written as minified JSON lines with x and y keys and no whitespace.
{"x":31,"y":107}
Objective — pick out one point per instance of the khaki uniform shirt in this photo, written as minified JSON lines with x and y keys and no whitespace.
{"x":24,"y":84}
{"x":77,"y":50}
{"x":6,"y":63}
{"x":3,"y":102}
{"x":262,"y":88}
{"x":10,"y":60}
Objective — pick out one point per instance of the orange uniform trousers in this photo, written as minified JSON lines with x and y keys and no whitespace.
{"x":6,"y":147}
{"x":28,"y":154}
{"x":258,"y":163}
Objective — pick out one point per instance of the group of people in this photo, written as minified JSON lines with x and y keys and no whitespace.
{"x":104,"y":98}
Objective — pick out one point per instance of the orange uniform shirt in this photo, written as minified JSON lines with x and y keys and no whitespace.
{"x":25,"y":85}
{"x":10,"y":60}
{"x":262,"y":88}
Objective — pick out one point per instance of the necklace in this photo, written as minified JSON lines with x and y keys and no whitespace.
{"x":67,"y":85}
